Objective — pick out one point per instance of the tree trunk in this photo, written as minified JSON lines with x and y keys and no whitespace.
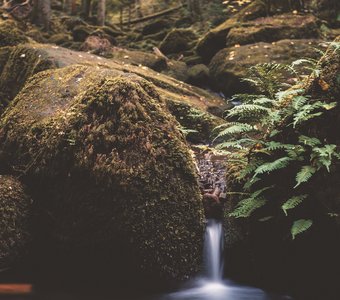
{"x":101,"y":12}
{"x":42,"y":13}
{"x":86,"y":8}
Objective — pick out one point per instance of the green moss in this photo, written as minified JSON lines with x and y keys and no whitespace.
{"x":14,"y":211}
{"x":10,"y":35}
{"x":106,"y":159}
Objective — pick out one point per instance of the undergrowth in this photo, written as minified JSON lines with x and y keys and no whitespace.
{"x":272,"y":152}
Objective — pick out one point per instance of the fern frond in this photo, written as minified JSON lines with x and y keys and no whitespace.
{"x":300,"y":226}
{"x":292,"y":203}
{"x":234,"y":129}
{"x":304,"y":175}
{"x":273,"y":166}
{"x":237,"y":144}
{"x":248,"y":110}
{"x":272,"y":146}
{"x":246,"y":207}
{"x":309,"y":141}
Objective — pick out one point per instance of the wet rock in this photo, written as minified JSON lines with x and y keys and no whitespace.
{"x":275,"y":28}
{"x":230,"y":65}
{"x":178,"y":40}
{"x":106,"y":144}
{"x":15,"y":207}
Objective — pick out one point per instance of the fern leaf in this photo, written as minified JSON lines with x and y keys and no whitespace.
{"x":246,"y":207}
{"x":234,"y":129}
{"x":312,"y":142}
{"x":300,"y":226}
{"x":304,"y":175}
{"x":273,"y":166}
{"x":292,"y":203}
{"x":246,"y":110}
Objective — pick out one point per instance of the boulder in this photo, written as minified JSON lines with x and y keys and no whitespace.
{"x":96,"y":44}
{"x":15,"y":207}
{"x":178,"y":40}
{"x":230,"y":65}
{"x":20,"y":63}
{"x":275,"y":28}
{"x":59,"y":39}
{"x":216,"y":38}
{"x":199,"y":75}
{"x":97,"y":147}
{"x":10,"y":35}
{"x":155,"y":26}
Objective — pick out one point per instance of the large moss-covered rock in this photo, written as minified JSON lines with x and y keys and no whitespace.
{"x":108,"y":167}
{"x":230,"y":65}
{"x":275,"y":28}
{"x":178,"y":40}
{"x":10,"y":35}
{"x":14,"y":221}
{"x":20,"y":63}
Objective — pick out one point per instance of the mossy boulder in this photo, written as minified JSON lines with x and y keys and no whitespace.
{"x":108,"y":168}
{"x":60,"y":38}
{"x":81,"y":32}
{"x":20,"y":63}
{"x":199,"y":75}
{"x":229,"y":66}
{"x":216,"y":38}
{"x":155,"y":26}
{"x":10,"y":34}
{"x":178,"y":40}
{"x":15,"y":210}
{"x":275,"y":28}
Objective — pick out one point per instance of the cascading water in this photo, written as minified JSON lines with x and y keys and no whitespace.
{"x":212,"y":286}
{"x":213,"y":250}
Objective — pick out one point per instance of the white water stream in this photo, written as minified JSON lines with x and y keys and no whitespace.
{"x":212,"y":286}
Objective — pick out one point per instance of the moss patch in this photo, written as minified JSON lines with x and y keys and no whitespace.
{"x":14,"y":211}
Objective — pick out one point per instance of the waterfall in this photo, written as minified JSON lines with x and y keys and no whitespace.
{"x":213,"y":250}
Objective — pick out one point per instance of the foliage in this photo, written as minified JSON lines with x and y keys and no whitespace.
{"x":258,"y":134}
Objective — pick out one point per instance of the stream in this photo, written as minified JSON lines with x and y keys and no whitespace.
{"x":212,"y":285}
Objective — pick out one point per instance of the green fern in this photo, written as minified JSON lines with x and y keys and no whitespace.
{"x":235,"y":128}
{"x":292,"y":203}
{"x":300,"y":226}
{"x":246,"y":207}
{"x":273,"y":166}
{"x":304,"y":175}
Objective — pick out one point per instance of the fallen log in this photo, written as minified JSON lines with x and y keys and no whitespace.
{"x":153,"y":16}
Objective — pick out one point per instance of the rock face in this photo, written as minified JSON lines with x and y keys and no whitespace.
{"x":15,"y":212}
{"x":108,"y":167}
{"x":178,"y":40}
{"x":230,"y":65}
{"x":275,"y":28}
